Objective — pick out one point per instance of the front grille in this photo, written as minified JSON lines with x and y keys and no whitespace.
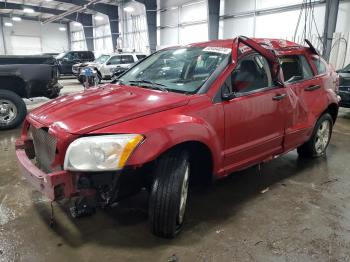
{"x":45,"y":148}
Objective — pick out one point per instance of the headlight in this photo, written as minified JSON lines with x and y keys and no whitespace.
{"x":100,"y":153}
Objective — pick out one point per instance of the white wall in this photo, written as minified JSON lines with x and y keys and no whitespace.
{"x":182,"y":22}
{"x":50,"y":38}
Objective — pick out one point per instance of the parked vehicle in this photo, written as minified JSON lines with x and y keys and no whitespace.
{"x":105,"y":65}
{"x":24,"y":77}
{"x":68,"y":59}
{"x":344,"y":86}
{"x":227,"y":105}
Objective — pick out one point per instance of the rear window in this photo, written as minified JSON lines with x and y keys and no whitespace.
{"x":295,"y":68}
{"x":319,"y":64}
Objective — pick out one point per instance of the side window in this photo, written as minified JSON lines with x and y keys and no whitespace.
{"x":127,"y":59}
{"x":139,"y":57}
{"x":83,"y":56}
{"x":295,"y":68}
{"x":252,"y":73}
{"x":320,"y":65}
{"x":115,"y":60}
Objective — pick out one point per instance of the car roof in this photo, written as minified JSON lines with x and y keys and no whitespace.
{"x":271,"y":43}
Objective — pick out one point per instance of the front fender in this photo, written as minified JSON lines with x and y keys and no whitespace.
{"x":162,"y":139}
{"x":167,"y":129}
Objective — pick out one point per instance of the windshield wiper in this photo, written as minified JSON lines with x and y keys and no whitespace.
{"x":153,"y":84}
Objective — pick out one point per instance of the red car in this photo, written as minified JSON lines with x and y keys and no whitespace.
{"x":197,"y":112}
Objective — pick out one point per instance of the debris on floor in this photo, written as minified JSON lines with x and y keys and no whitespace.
{"x":264,"y":190}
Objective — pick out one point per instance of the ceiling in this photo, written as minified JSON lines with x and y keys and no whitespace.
{"x":43,"y":15}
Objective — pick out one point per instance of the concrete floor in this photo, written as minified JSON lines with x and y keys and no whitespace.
{"x":296,"y":210}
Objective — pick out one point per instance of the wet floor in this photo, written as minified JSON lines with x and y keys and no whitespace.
{"x":294,"y":210}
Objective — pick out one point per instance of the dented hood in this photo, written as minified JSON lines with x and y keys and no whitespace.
{"x":93,"y":109}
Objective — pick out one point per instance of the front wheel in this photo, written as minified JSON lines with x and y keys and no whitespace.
{"x":320,"y":138}
{"x":169,"y":192}
{"x":13,"y":110}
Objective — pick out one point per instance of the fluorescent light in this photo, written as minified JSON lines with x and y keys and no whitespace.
{"x":16,"y":18}
{"x":129,"y":9}
{"x":62,"y":28}
{"x":76,"y":24}
{"x":9,"y":24}
{"x":99,"y":18}
{"x":28,"y":10}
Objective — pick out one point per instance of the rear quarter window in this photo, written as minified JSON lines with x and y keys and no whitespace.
{"x":140,"y":57}
{"x":320,"y":65}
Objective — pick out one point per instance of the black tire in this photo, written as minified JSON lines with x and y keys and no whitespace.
{"x":166,"y":193}
{"x":310,"y":149}
{"x":81,"y":80}
{"x":20,"y":106}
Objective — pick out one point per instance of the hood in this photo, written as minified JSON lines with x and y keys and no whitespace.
{"x":93,"y":109}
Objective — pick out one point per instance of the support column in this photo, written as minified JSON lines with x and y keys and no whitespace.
{"x":86,"y":21}
{"x":330,"y":24}
{"x":213,"y":19}
{"x":151,"y":15}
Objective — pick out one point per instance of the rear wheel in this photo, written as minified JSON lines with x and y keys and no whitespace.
{"x":320,"y":138}
{"x":12,"y":110}
{"x":169,"y":192}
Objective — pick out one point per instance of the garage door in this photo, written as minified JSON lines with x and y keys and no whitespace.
{"x":25,"y":45}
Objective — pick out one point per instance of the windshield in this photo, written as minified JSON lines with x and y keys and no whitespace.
{"x":61,"y":55}
{"x":182,"y":70}
{"x":101,"y":59}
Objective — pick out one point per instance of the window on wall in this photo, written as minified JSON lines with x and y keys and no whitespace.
{"x":103,"y":39}
{"x":78,"y":41}
{"x":184,"y":24}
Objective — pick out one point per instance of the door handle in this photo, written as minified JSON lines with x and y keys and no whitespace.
{"x":279,"y":97}
{"x":312,"y":88}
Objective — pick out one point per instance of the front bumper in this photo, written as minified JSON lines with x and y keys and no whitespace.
{"x":55,"y":186}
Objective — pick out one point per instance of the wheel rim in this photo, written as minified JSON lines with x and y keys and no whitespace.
{"x":8,"y":111}
{"x":322,"y":136}
{"x":184,"y":192}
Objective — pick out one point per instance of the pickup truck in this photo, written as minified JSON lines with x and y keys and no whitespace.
{"x":182,"y":115}
{"x":24,"y":77}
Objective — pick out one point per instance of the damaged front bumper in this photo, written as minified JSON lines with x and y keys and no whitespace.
{"x":55,"y":186}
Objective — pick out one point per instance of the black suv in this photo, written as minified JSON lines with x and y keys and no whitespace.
{"x":344,"y":86}
{"x":68,"y":59}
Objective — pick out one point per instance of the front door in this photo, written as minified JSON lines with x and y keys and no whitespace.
{"x":255,"y":117}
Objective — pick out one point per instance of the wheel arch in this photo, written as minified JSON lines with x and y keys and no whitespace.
{"x":332,"y":109}
{"x":14,"y":84}
{"x":201,"y":159}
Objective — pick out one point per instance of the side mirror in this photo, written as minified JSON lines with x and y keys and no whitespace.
{"x":228,"y":96}
{"x":108,"y":63}
{"x":65,"y":59}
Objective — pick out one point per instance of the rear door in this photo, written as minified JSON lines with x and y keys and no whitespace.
{"x":308,"y":98}
{"x":255,"y":118}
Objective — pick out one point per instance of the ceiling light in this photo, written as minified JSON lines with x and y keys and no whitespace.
{"x":129,"y":9}
{"x":9,"y":24}
{"x":98,"y":18}
{"x":28,"y":10}
{"x":76,"y":24}
{"x":62,"y":28}
{"x":16,"y":18}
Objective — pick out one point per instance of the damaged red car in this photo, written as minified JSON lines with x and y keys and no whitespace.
{"x":188,"y":113}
